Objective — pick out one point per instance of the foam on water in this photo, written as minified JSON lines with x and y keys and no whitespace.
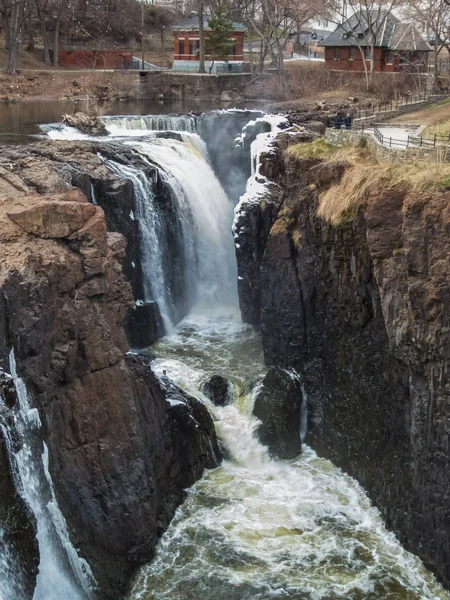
{"x":256,"y":528}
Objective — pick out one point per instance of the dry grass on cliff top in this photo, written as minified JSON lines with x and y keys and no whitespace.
{"x":367,"y":176}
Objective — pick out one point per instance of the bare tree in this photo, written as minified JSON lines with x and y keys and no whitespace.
{"x":273,"y":21}
{"x":434,"y":18}
{"x":12,"y":14}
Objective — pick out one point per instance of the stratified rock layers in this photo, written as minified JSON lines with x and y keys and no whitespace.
{"x":120,"y":459}
{"x":362,"y":311}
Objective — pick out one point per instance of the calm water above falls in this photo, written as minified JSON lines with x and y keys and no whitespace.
{"x":256,"y":528}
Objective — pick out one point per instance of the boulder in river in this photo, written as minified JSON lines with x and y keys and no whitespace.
{"x":278,"y":407}
{"x":143,"y":324}
{"x":219,"y":390}
{"x":85,"y":123}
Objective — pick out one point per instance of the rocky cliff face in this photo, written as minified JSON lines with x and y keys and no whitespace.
{"x":121,"y":452}
{"x":50,"y":166}
{"x":362,"y":311}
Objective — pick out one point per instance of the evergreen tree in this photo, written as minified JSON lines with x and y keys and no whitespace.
{"x":218,"y":42}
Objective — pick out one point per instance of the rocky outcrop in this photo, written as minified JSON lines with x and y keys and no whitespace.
{"x":254,"y":219}
{"x":278,"y":403}
{"x":85,"y":123}
{"x":53,"y":166}
{"x":361,"y":310}
{"x":120,"y":457}
{"x":219,"y":390}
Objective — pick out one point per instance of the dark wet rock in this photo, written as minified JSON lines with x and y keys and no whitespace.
{"x":278,"y":406}
{"x":191,"y":416}
{"x":143,"y":324}
{"x":219,"y":390}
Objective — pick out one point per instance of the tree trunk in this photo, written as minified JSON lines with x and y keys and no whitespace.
{"x":363,"y":56}
{"x":7,"y":33}
{"x":56,"y":40}
{"x":15,"y":27}
{"x":201,"y":31}
{"x":30,"y":45}
{"x":44,"y":32}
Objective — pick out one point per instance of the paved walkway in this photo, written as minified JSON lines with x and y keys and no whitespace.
{"x":397,"y":137}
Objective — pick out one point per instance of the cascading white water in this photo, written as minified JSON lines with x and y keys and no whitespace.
{"x":11,"y":583}
{"x":203,"y":210}
{"x":206,"y":215}
{"x":62,"y":573}
{"x":151,"y":226}
{"x":257,"y":528}
{"x":141,"y":125}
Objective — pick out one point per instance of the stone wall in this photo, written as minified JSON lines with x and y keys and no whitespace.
{"x":185,"y":86}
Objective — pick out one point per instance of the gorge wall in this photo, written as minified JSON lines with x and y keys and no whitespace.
{"x":122,"y":445}
{"x":362,"y":310}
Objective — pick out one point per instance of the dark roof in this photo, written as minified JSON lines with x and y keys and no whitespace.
{"x":193,"y":22}
{"x":356,"y":29}
{"x":389,"y":31}
{"x":406,"y":38}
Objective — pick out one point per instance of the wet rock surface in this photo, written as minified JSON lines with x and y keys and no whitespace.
{"x":119,"y":458}
{"x":54,"y":166}
{"x":362,"y":311}
{"x":219,"y":390}
{"x":278,"y":404}
{"x":143,"y":324}
{"x":85,"y":123}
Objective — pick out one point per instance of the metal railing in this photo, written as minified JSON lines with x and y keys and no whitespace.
{"x":371,"y":111}
{"x":411,"y":141}
{"x":391,"y":105}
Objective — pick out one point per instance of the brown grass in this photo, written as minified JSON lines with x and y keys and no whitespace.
{"x":368,"y":175}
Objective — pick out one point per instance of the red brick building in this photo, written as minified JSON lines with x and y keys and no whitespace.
{"x":95,"y":59}
{"x":186,"y":41}
{"x":398,"y":46}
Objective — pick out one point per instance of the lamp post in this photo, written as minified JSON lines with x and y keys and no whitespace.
{"x":142,"y":33}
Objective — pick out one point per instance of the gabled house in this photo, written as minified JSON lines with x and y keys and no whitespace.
{"x":397,"y":46}
{"x":186,"y":38}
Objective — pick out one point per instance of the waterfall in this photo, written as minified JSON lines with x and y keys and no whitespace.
{"x":11,"y":585}
{"x":130,"y":125}
{"x":186,"y":245}
{"x":62,"y":573}
{"x":205,"y":213}
{"x":152,"y":231}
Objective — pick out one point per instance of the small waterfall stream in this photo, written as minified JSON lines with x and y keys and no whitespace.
{"x":62,"y":573}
